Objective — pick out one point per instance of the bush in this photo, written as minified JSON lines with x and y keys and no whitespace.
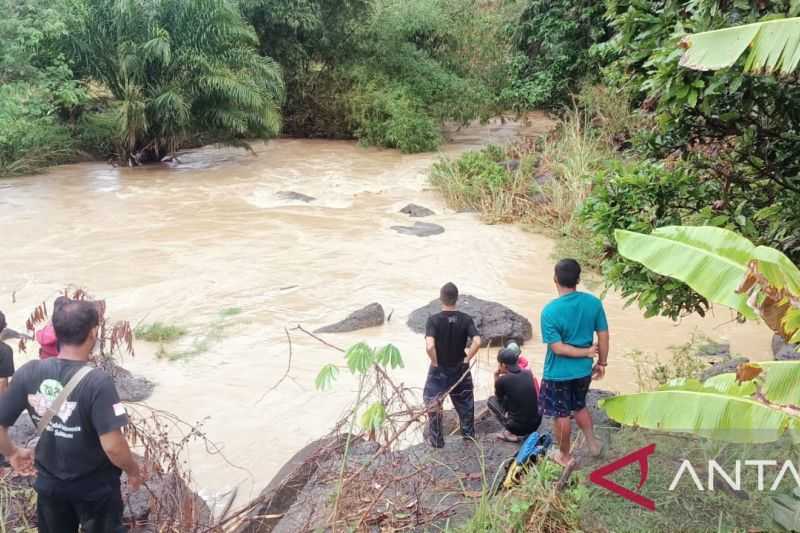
{"x":159,"y":332}
{"x":31,"y":136}
{"x":392,"y":118}
{"x":97,"y":132}
{"x":477,"y":180}
{"x":552,"y":39}
{"x":642,"y":196}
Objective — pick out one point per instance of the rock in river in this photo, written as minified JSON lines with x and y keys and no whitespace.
{"x":366,"y":317}
{"x":416,"y":211}
{"x":420,"y":229}
{"x":495,"y":322}
{"x":784,"y":351}
{"x":295,"y":196}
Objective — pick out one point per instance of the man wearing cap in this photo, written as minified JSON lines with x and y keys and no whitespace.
{"x":515,"y":402}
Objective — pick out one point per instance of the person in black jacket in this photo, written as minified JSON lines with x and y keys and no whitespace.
{"x":515,"y":403}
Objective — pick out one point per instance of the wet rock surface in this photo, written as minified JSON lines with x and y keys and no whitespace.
{"x":783,"y":351}
{"x":367,"y":317}
{"x":723,"y":367}
{"x":419,"y":229}
{"x":441,"y":485}
{"x":416,"y":211}
{"x":295,"y":196}
{"x":131,"y":388}
{"x":496,"y":323}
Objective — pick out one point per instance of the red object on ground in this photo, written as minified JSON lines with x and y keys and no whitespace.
{"x":48,"y":343}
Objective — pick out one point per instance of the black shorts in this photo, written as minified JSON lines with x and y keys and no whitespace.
{"x":561,"y":398}
{"x":6,"y":361}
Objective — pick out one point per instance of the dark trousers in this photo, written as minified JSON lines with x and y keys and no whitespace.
{"x":62,"y":510}
{"x":505,"y":420}
{"x":439,"y":381}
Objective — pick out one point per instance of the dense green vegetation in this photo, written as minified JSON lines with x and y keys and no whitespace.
{"x":659,"y":144}
{"x":135,"y":81}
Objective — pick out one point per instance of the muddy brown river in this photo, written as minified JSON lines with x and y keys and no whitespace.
{"x":208,"y":244}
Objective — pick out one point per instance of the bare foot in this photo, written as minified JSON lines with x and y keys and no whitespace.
{"x":596,"y":448}
{"x":562,"y":459}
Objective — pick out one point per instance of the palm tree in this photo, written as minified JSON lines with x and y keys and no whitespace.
{"x":180,"y":70}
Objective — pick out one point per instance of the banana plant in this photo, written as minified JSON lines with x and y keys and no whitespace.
{"x":760,"y":402}
{"x":757,"y":404}
{"x":774,"y":47}
{"x":725,"y":268}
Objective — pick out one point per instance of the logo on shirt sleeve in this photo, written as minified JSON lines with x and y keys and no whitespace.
{"x":119,"y":409}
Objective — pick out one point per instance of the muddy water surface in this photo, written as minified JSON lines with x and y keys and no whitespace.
{"x":209,"y":245}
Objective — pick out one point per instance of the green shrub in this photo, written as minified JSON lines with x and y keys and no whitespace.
{"x":31,"y":137}
{"x":478,"y":181}
{"x":159,"y":332}
{"x":642,"y":196}
{"x":552,"y":39}
{"x":96,"y":133}
{"x":392,"y":118}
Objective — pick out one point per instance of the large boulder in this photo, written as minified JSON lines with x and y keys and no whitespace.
{"x":783,"y":351}
{"x":495,"y":322}
{"x":415,"y":211}
{"x":366,"y":317}
{"x":419,"y":229}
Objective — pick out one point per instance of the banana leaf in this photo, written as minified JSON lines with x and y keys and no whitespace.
{"x":774,"y":46}
{"x":709,"y":414}
{"x":712,"y":261}
{"x":780,"y":383}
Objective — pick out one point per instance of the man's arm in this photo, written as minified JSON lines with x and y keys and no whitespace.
{"x":119,"y":453}
{"x":430,"y":347}
{"x":603,"y":342}
{"x":21,"y":459}
{"x":473,"y":348}
{"x":567,"y":350}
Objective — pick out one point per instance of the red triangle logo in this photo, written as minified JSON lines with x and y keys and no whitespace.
{"x":639,"y":456}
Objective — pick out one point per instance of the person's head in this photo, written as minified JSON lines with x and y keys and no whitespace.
{"x":568,"y":273}
{"x":508,"y":360}
{"x":2,"y":321}
{"x":514,"y":347}
{"x":58,"y":302}
{"x":76,"y":323}
{"x":448,"y":294}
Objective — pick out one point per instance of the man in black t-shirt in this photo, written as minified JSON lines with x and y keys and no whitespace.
{"x":6,"y":358}
{"x":446,"y":337}
{"x":515,"y":403}
{"x":81,"y":453}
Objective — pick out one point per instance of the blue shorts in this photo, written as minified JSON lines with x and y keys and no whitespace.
{"x":561,"y":398}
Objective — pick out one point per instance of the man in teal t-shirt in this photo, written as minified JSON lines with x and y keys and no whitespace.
{"x":569,"y":324}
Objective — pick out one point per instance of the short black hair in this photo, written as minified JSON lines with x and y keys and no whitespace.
{"x":2,"y":321}
{"x":58,"y":302}
{"x":448,"y":294}
{"x":73,"y":322}
{"x":568,"y":273}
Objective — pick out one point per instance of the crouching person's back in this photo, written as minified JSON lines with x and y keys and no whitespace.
{"x":81,"y":452}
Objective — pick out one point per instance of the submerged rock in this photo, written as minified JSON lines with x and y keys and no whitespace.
{"x":420,"y":229}
{"x":416,"y":211}
{"x":715,"y":349}
{"x":496,"y":323}
{"x":723,"y":367}
{"x":366,"y":317}
{"x":130,"y":388}
{"x":783,"y":351}
{"x":294,"y":196}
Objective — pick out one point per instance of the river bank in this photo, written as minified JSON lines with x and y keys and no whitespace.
{"x":210,"y":244}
